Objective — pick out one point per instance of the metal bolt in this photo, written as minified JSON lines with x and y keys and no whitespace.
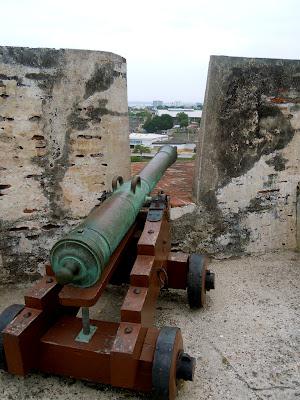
{"x":137,"y":290}
{"x":151,"y":231}
{"x":128,"y":329}
{"x":27,"y":315}
{"x":186,"y":367}
{"x":209,"y":280}
{"x":49,"y":280}
{"x":86,"y":327}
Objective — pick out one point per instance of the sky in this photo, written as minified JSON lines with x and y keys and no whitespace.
{"x":166,"y":43}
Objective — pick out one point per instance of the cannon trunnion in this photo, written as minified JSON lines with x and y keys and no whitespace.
{"x":127,"y":239}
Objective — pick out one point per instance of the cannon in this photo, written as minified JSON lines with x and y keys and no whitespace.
{"x":124,"y":240}
{"x":81,"y":256}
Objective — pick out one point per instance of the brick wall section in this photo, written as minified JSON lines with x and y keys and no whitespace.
{"x":64,"y":135}
{"x":247,"y":167}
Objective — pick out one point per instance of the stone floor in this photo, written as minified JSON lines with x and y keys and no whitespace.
{"x":246,"y":340}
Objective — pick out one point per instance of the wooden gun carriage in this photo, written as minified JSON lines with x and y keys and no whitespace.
{"x":127,"y":238}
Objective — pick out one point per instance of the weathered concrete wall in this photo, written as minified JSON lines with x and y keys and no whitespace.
{"x":63,"y":135}
{"x":247,"y":167}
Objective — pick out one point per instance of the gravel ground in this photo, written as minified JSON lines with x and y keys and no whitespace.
{"x":246,"y":340}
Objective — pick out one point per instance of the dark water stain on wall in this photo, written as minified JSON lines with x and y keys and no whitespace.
{"x":5,"y":77}
{"x":249,"y":126}
{"x":101,"y":79}
{"x":37,"y":58}
{"x":278,"y":162}
{"x":201,"y":230}
{"x":80,"y":118}
{"x":52,"y":176}
{"x":22,"y":266}
{"x":75,"y":120}
{"x":45,"y":81}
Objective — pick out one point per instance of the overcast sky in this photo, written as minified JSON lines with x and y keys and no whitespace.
{"x":167,"y":43}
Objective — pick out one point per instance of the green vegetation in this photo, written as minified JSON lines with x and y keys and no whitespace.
{"x":139,"y":148}
{"x":139,"y":159}
{"x":145,"y":114}
{"x":141,"y":113}
{"x":157,"y":123}
{"x":183,"y":119}
{"x":186,"y":159}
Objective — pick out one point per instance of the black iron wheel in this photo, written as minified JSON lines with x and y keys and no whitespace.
{"x":196,"y":289}
{"x":6,"y":317}
{"x":169,"y":347}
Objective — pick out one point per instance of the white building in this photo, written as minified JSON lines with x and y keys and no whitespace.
{"x":146,"y":139}
{"x":157,"y":103}
{"x":191,"y":113}
{"x":176,"y":103}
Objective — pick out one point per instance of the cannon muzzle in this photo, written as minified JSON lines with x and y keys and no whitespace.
{"x":80,"y":256}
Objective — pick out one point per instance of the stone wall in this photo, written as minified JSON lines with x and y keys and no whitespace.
{"x":247,"y":167}
{"x":63,"y":135}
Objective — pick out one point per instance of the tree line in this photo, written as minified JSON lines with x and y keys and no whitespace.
{"x":164,"y":122}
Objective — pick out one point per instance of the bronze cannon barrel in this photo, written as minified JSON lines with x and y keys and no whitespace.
{"x":81,"y":255}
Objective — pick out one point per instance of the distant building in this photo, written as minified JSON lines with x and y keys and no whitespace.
{"x":157,"y":103}
{"x":146,"y":139}
{"x":175,"y":104}
{"x":194,"y":115}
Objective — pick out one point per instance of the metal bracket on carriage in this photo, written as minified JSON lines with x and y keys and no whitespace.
{"x":158,"y":205}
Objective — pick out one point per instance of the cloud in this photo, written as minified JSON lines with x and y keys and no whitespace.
{"x":166,"y":43}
